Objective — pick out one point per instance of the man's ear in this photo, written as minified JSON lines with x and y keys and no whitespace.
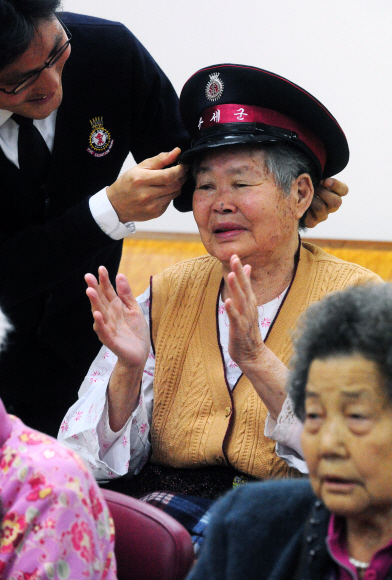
{"x":303,"y":192}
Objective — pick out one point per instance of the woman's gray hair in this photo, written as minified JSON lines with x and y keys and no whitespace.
{"x":355,"y":321}
{"x":287,"y":163}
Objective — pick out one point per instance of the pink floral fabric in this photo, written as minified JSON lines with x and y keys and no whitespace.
{"x":54,"y":521}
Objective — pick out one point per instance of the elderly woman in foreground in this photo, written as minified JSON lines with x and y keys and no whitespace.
{"x":200,"y":388}
{"x":341,"y":386}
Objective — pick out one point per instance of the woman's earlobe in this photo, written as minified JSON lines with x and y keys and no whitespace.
{"x":305,"y":191}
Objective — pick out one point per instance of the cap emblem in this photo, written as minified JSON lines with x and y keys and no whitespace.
{"x":214,"y":87}
{"x":100,"y":139}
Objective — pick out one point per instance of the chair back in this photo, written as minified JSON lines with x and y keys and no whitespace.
{"x":150,"y":544}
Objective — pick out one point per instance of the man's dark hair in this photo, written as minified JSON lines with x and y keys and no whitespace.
{"x":355,"y":321}
{"x":19,"y":20}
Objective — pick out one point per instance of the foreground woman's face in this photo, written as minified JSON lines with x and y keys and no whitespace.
{"x":239,"y":209}
{"x":347,"y":437}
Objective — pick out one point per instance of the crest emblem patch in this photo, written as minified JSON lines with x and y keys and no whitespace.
{"x":100,"y":140}
{"x":214,"y":87}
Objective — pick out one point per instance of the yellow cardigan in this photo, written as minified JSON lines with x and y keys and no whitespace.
{"x":196,"y":420}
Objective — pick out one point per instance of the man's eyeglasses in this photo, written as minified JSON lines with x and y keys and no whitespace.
{"x":34,"y":76}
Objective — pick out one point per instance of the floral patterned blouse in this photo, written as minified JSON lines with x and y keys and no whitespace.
{"x":54,"y":523}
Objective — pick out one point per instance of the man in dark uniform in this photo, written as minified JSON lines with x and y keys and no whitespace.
{"x":61,"y":223}
{"x":64,"y":208}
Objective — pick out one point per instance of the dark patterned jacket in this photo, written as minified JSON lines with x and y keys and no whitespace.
{"x":273,"y":530}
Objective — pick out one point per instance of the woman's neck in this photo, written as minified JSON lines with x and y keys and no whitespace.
{"x":367,"y":535}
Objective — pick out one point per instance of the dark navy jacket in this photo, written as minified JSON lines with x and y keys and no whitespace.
{"x":48,"y":238}
{"x":273,"y":530}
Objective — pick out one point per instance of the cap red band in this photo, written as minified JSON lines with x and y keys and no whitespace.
{"x":221,"y":114}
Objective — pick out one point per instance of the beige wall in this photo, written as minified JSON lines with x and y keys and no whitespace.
{"x":145,"y":255}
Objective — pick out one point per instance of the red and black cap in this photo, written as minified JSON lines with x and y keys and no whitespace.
{"x":230,"y":104}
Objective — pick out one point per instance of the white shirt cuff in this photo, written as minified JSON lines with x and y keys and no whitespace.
{"x":286,"y":431}
{"x":105,"y":216}
{"x":127,"y":449}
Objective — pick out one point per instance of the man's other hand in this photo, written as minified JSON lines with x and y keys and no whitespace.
{"x":327,"y":199}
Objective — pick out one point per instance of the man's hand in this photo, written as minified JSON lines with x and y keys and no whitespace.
{"x":144,"y":192}
{"x":327,"y":199}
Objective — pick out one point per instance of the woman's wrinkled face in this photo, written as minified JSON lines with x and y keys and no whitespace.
{"x":240,"y":210}
{"x":347,"y":437}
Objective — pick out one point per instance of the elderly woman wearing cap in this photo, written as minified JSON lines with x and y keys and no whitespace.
{"x":341,"y":386}
{"x":212,"y":364}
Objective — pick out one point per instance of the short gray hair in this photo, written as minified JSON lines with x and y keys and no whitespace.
{"x":286,"y":163}
{"x":355,"y":321}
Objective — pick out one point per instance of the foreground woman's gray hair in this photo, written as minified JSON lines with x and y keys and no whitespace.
{"x":356,"y":321}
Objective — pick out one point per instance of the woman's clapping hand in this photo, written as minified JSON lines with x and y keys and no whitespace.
{"x":118,"y":319}
{"x":265,"y":371}
{"x":245,"y":342}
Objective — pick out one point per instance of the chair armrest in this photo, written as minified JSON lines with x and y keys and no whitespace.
{"x":150,"y":544}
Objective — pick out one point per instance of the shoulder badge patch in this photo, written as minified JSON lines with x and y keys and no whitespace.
{"x":214,"y":87}
{"x":100,"y":140}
